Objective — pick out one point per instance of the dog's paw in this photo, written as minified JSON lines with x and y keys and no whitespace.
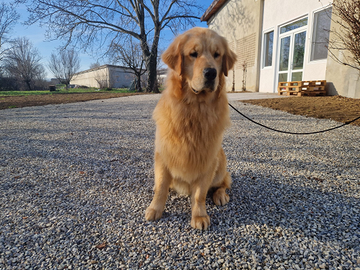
{"x":152,"y":214}
{"x":220,"y":197}
{"x":201,"y":223}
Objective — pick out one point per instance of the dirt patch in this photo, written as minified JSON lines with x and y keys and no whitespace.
{"x":337,"y":108}
{"x":40,"y":100}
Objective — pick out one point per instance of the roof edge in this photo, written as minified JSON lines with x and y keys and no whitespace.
{"x":100,"y":67}
{"x":212,"y":9}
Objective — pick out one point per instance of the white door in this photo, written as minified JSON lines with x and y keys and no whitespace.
{"x":291,"y":52}
{"x":291,"y":57}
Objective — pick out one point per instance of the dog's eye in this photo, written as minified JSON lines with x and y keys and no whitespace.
{"x":194,"y":54}
{"x":216,"y":55}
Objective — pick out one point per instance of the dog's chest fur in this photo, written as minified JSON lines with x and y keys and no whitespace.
{"x":190,"y":130}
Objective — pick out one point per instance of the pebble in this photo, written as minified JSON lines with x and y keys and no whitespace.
{"x":75,"y":180}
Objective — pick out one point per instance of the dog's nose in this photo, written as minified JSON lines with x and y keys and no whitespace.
{"x":210,"y":73}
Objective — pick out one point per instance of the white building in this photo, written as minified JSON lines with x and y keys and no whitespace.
{"x":281,"y":40}
{"x":105,"y":76}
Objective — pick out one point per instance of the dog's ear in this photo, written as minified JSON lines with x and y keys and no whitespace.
{"x":173,"y":55}
{"x":228,"y":60}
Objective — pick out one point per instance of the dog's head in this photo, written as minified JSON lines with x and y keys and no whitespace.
{"x":201,"y":57}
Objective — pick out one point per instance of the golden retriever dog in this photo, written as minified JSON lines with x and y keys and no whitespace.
{"x":191,"y":118}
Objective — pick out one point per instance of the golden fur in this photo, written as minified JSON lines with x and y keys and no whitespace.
{"x":191,"y":118}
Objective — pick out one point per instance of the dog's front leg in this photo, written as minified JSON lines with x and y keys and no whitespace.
{"x":162,"y":184}
{"x":199,"y":217}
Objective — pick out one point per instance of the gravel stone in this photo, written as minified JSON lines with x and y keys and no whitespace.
{"x":75,"y":180}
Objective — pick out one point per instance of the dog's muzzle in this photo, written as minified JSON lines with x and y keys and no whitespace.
{"x":209,"y":80}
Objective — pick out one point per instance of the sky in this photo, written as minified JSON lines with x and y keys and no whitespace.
{"x":36,"y":35}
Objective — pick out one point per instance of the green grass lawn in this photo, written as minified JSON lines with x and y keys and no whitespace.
{"x":62,"y":91}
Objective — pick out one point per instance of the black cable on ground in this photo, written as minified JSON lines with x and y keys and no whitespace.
{"x":292,"y":133}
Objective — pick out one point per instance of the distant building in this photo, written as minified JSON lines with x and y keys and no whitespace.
{"x":54,"y":81}
{"x":105,"y":76}
{"x":280,"y":41}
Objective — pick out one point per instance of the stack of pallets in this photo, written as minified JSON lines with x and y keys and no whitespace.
{"x":302,"y":88}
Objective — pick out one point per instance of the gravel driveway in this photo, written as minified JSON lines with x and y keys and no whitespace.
{"x":75,"y":180}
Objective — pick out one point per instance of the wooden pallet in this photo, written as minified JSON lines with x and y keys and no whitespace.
{"x":302,"y":88}
{"x":289,"y":87}
{"x":312,"y":93}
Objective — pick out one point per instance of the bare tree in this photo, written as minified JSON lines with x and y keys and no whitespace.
{"x":8,"y":18}
{"x":92,"y":21}
{"x":129,"y":54}
{"x":94,"y":65}
{"x":64,"y":65}
{"x":22,"y":61}
{"x":346,"y":15}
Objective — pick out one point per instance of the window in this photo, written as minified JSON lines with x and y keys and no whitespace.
{"x":321,"y":32}
{"x":294,"y":25}
{"x":268,"y":48}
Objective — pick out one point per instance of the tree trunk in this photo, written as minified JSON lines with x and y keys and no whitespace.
{"x":138,"y":87}
{"x":28,"y":84}
{"x":151,"y":62}
{"x":150,"y":55}
{"x":152,"y":74}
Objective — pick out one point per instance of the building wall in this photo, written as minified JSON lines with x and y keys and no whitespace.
{"x":244,"y":24}
{"x":90,"y":77}
{"x":119,"y":77}
{"x":104,"y":76}
{"x":341,"y":80}
{"x":240,"y":23}
{"x":278,"y":13}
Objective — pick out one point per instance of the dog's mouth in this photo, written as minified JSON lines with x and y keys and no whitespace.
{"x":205,"y":86}
{"x":195,"y":91}
{"x":205,"y":89}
